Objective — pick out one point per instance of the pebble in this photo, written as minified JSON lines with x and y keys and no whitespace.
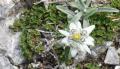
{"x":112,"y":57}
{"x":117,"y":67}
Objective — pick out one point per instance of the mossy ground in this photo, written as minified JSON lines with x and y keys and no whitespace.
{"x":105,"y":28}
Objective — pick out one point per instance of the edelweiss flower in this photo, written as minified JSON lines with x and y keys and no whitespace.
{"x":77,"y":38}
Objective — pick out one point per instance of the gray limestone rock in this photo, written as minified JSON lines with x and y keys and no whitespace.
{"x":97,"y":51}
{"x":9,"y":41}
{"x":14,"y":52}
{"x":118,"y":51}
{"x":117,"y":67}
{"x":81,"y":56}
{"x":4,"y":63}
{"x":112,"y":57}
{"x":5,"y":7}
{"x":108,"y":43}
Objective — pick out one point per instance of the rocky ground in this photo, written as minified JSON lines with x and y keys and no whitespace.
{"x":107,"y":56}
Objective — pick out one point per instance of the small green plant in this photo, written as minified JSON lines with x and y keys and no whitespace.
{"x":81,"y":10}
{"x":105,"y":28}
{"x":30,"y":43}
{"x":92,"y":66}
{"x":115,"y":3}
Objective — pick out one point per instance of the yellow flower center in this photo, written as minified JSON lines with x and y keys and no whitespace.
{"x":76,"y":36}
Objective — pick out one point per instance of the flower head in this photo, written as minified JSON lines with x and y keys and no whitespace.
{"x":78,"y":38}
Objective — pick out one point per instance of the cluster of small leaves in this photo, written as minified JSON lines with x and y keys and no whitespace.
{"x":84,"y":11}
{"x":37,"y":18}
{"x":30,"y":43}
{"x":105,"y":28}
{"x":115,"y":3}
{"x":88,"y":66}
{"x":92,"y":66}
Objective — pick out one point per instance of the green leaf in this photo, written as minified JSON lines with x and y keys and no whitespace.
{"x":76,"y":17}
{"x":78,"y":4}
{"x":69,"y":17}
{"x":88,"y":3}
{"x":89,"y":12}
{"x":65,"y":10}
{"x":92,"y":66}
{"x":86,"y":23}
{"x":81,"y":4}
{"x":107,"y":9}
{"x":74,"y":4}
{"x":66,"y":54}
{"x":78,"y":66}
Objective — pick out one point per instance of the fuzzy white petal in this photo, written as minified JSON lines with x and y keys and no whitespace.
{"x":64,"y":32}
{"x":80,"y":47}
{"x":65,"y":41}
{"x":89,"y":29}
{"x":78,"y":24}
{"x":86,"y":48}
{"x":81,"y":56}
{"x":117,"y":67}
{"x":72,"y":26}
{"x":89,"y":41}
{"x":73,"y":52}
